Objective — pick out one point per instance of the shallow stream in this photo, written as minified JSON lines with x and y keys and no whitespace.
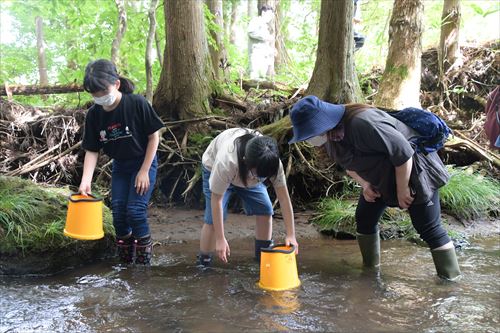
{"x":336,"y":295}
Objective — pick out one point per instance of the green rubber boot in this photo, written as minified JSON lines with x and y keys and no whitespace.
{"x":446,"y":264}
{"x":370,"y":249}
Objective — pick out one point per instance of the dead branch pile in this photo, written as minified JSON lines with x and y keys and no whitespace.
{"x":41,"y":144}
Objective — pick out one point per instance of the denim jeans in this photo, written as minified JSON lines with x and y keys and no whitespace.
{"x":130,"y":208}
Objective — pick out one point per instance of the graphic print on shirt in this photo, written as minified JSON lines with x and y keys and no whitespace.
{"x":114,"y":132}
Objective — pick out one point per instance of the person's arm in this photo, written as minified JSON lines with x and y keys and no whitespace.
{"x":369,"y":193}
{"x":288,"y":219}
{"x":142,"y":179}
{"x":89,"y":164}
{"x":403,"y":173}
{"x":221,"y":246}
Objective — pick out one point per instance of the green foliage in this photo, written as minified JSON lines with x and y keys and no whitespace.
{"x":32,"y":218}
{"x":76,"y":32}
{"x":336,"y":214}
{"x":469,"y":195}
{"x":211,"y":27}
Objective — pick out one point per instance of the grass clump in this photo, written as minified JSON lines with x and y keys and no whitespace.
{"x":336,"y":214}
{"x":469,"y":195}
{"x":32,"y":217}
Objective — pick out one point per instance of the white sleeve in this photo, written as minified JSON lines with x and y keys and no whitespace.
{"x":280,"y":179}
{"x":221,"y":176}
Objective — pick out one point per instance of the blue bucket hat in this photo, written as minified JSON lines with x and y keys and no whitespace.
{"x":312,"y":117}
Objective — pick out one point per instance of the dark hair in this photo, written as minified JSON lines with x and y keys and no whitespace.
{"x":100,"y":74}
{"x":353,"y":109}
{"x":259,"y":152}
{"x":264,"y":8}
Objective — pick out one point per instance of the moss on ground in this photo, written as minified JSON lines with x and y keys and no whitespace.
{"x":32,"y":217}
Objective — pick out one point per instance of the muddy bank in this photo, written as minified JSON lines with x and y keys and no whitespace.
{"x":171,"y":226}
{"x":174,"y":225}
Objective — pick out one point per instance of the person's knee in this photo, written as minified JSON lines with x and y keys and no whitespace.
{"x":434,"y":235}
{"x":136,"y":211}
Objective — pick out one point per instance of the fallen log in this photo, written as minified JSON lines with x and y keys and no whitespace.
{"x":247,"y":84}
{"x":40,"y":90}
{"x":462,"y":141}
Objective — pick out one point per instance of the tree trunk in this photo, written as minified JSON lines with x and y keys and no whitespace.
{"x":183,"y":89}
{"x":281,"y":59}
{"x":232,"y":25}
{"x":449,"y":48}
{"x":158,"y":48}
{"x":400,"y":84}
{"x":334,"y":78}
{"x":122,"y":27}
{"x":217,"y":51}
{"x":251,"y":10}
{"x":42,"y":61}
{"x":149,"y":50}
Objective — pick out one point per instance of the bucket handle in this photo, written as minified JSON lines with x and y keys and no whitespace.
{"x":272,"y":249}
{"x":91,"y":198}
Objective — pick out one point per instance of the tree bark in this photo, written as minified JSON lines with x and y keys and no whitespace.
{"x":449,"y":48}
{"x":42,"y":61}
{"x":122,"y":27}
{"x":217,"y":51}
{"x":183,"y":89}
{"x":334,"y":78}
{"x":232,"y":24}
{"x":158,"y":48}
{"x":149,"y":50}
{"x":400,"y":84}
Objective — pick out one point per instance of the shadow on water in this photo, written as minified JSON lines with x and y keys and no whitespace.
{"x":336,"y":294}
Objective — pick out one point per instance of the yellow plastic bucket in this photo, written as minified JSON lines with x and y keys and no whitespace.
{"x":278,"y":268}
{"x":84,"y":217}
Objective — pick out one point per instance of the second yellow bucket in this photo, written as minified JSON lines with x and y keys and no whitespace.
{"x":84,"y":217}
{"x":278,"y":268}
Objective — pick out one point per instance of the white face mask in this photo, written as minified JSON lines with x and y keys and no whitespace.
{"x":106,"y":100}
{"x":317,"y":141}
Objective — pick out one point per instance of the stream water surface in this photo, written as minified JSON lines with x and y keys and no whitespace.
{"x":336,"y":294}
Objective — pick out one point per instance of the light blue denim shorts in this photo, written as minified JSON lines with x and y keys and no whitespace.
{"x":255,"y":199}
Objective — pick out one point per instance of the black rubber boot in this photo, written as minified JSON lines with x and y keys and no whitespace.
{"x":370,"y":249}
{"x":144,"y":251}
{"x":204,"y":260}
{"x":446,"y":264}
{"x":125,"y":248}
{"x":261,"y":244}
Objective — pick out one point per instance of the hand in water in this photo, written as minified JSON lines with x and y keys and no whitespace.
{"x":222,"y":249}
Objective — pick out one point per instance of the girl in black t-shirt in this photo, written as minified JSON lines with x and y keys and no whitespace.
{"x":126,"y":128}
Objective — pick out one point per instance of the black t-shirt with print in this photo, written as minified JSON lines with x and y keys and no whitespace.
{"x":123,"y":132}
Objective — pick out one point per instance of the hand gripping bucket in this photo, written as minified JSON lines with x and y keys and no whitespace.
{"x":278,"y":268}
{"x":84,"y":217}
